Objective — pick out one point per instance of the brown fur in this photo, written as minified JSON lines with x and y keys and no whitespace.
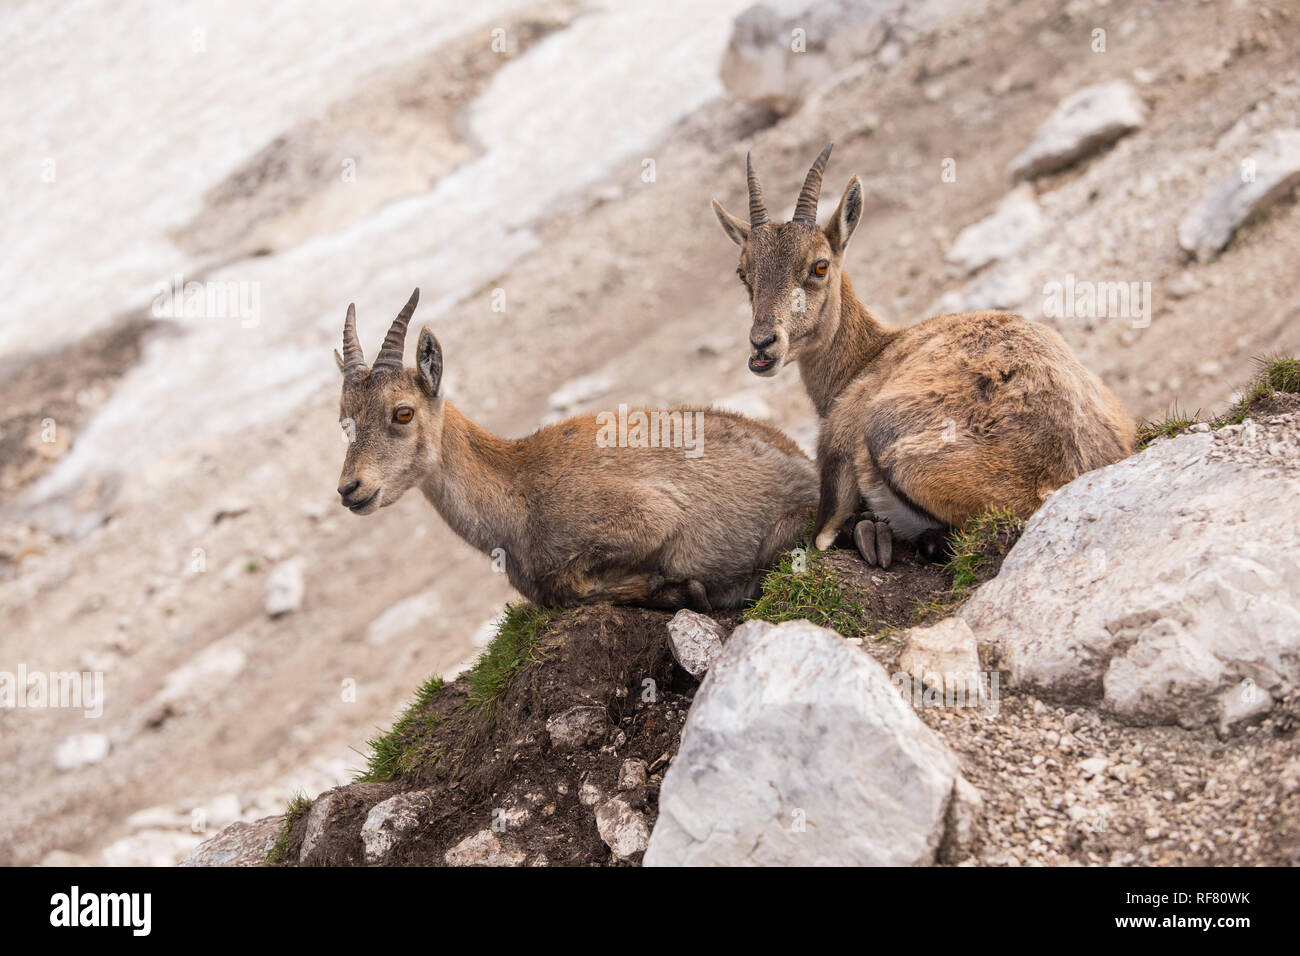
{"x":577,"y":522}
{"x":930,"y":424}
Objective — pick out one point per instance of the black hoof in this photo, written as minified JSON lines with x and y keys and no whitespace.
{"x":875,"y":542}
{"x":698,"y":597}
{"x":934,"y":546}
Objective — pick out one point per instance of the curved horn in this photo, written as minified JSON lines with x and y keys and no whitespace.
{"x":805,"y":210}
{"x":757,"y":211}
{"x":390,"y":353}
{"x":353,"y":360}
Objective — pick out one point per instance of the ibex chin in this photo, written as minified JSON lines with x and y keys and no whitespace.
{"x":929,"y":424}
{"x":577,"y":517}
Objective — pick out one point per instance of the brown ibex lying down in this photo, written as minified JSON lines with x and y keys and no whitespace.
{"x":581,"y":511}
{"x":930,"y":424}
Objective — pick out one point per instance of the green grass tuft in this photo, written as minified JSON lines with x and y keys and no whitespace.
{"x":1173,"y":422}
{"x":296,"y":808}
{"x":970,"y":544}
{"x":1276,"y":373}
{"x":801,"y":586}
{"x":391,"y":753}
{"x":513,"y":648}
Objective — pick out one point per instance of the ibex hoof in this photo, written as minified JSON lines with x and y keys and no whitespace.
{"x":697,"y":597}
{"x":934,"y":546}
{"x":875,"y":542}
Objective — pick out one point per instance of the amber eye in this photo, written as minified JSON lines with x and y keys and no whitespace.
{"x":740,"y":272}
{"x":820,"y":266}
{"x":403,"y":414}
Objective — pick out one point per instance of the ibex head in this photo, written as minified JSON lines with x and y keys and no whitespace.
{"x":792,"y":269}
{"x":392,"y":415}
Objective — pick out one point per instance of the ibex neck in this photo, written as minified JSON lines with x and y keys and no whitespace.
{"x":474,"y":484}
{"x":829,"y":366}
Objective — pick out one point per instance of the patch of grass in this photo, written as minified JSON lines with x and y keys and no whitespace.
{"x":296,"y":808}
{"x":983,"y":537}
{"x":391,"y":753}
{"x":1276,"y":373}
{"x":513,"y":648}
{"x":801,"y":586}
{"x":1173,"y":422}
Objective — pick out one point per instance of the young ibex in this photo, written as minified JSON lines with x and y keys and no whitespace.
{"x":930,"y":424}
{"x":578,"y":517}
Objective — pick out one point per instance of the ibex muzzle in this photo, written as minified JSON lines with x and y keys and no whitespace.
{"x":791,"y":270}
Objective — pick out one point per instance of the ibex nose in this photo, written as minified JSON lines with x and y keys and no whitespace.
{"x":763,"y":343}
{"x":351,"y":486}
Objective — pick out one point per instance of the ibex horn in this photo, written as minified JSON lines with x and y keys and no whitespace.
{"x":353,"y":360}
{"x":757,"y":212}
{"x":390,"y":353}
{"x":805,"y":210}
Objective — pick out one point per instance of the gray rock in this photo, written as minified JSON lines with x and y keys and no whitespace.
{"x":284,"y":588}
{"x":798,"y":750}
{"x":1015,"y":223}
{"x":311,"y":853}
{"x":1263,"y":178}
{"x":576,"y":727}
{"x":623,"y":828}
{"x":240,"y":844}
{"x":695,"y":640}
{"x":484,"y":849}
{"x":1165,"y":587}
{"x":1085,"y":121}
{"x":389,"y":820}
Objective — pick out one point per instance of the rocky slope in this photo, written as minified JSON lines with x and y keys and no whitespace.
{"x":1123,"y":687}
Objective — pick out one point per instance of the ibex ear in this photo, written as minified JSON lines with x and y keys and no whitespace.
{"x":428,"y":361}
{"x":737,"y":229}
{"x":847,"y":216}
{"x":339,"y":359}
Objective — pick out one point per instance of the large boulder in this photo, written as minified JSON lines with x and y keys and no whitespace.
{"x":798,"y":750}
{"x":1261,"y":179}
{"x":1085,"y":122}
{"x":1165,"y":587}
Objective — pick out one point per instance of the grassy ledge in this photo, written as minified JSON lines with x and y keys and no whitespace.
{"x":407,"y":746}
{"x":1276,"y":374}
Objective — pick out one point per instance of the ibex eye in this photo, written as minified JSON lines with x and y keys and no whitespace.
{"x":820,"y":266}
{"x":741,"y":272}
{"x":403,"y":415}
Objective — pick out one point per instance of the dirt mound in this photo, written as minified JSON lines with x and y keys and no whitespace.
{"x":564,"y":712}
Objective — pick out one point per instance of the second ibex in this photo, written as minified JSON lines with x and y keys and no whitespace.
{"x":930,"y":424}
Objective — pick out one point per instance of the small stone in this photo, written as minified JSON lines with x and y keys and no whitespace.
{"x":1093,"y":767}
{"x":483,"y":849}
{"x":623,"y":828}
{"x":81,"y":750}
{"x":284,"y":589}
{"x":576,"y":727}
{"x":695,"y":640}
{"x":632,"y":774}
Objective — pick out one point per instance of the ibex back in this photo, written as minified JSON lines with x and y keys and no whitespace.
{"x":579,"y":513}
{"x":930,"y":424}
